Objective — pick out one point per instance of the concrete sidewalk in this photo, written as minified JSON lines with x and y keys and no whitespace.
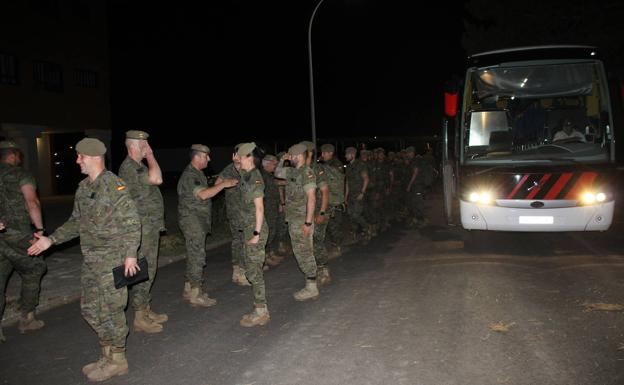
{"x":61,"y":283}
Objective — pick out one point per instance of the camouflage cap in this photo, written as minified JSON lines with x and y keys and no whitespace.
{"x":200,"y":148}
{"x":237,"y":146}
{"x":245,"y":149}
{"x":5,"y":144}
{"x":297,"y":149}
{"x":309,"y":145}
{"x":410,"y":149}
{"x":91,"y":147}
{"x":136,"y":134}
{"x":328,"y":147}
{"x":270,"y":158}
{"x":350,"y":150}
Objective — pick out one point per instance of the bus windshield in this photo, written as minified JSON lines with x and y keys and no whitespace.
{"x":537,"y":112}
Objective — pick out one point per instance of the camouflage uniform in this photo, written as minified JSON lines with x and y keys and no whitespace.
{"x":298,"y":182}
{"x":106,"y":219}
{"x":195,"y":220}
{"x":233,"y":210}
{"x":251,"y":186}
{"x":14,"y":240}
{"x":320,"y":250}
{"x":271,"y":208}
{"x":355,"y":182}
{"x":149,"y":202}
{"x":336,"y":182}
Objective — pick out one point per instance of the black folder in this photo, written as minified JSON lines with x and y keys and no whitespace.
{"x":121,"y":280}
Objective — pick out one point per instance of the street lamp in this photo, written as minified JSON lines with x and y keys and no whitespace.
{"x":312,"y":117}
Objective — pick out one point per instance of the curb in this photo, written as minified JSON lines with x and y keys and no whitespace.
{"x":11,"y":319}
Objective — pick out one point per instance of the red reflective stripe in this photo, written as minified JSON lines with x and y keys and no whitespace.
{"x":556,"y":189}
{"x":515,"y":190}
{"x":534,"y":192}
{"x":584,"y":183}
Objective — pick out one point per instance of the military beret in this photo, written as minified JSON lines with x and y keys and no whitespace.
{"x":200,"y":148}
{"x":297,"y":149}
{"x":245,"y":149}
{"x":135,"y":134}
{"x":91,"y":147}
{"x":5,"y":144}
{"x":350,"y":150}
{"x":410,"y":149}
{"x":309,"y":145}
{"x":328,"y":147}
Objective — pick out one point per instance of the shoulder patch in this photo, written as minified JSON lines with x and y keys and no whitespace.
{"x":120,"y":185}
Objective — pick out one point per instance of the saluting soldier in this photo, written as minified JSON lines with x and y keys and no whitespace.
{"x":142,"y":183}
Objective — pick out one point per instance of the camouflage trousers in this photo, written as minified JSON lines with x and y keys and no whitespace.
{"x":150,"y":239}
{"x":416,"y":205}
{"x":236,"y":230}
{"x":271,"y":214}
{"x":13,"y":255}
{"x":355,"y":209}
{"x":336,"y":230}
{"x":253,"y":261}
{"x":303,"y":249}
{"x":195,"y":231}
{"x":320,"y":250}
{"x":102,"y":305}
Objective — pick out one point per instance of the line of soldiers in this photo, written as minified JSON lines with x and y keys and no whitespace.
{"x":119,"y":218}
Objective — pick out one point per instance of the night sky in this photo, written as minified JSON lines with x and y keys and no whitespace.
{"x":238,"y":70}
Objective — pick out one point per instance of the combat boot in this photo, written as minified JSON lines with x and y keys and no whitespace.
{"x":28,"y":323}
{"x":158,"y":318}
{"x":199,"y":298}
{"x":238,"y":276}
{"x":260,"y":316}
{"x":186,"y":294}
{"x":115,"y":365}
{"x":106,"y":354}
{"x":323,"y":277}
{"x":310,"y":291}
{"x":142,"y":323}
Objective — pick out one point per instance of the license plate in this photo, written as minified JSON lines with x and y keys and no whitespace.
{"x":544,"y":220}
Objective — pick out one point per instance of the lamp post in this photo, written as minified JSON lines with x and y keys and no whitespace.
{"x":312,"y":116}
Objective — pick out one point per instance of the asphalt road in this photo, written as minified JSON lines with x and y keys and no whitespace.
{"x":433,"y":307}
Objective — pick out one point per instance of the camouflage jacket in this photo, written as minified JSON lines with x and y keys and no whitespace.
{"x":354,"y":173}
{"x":320,"y":172}
{"x":105,"y":218}
{"x":13,"y":209}
{"x":191,"y":182}
{"x":298,"y":182}
{"x":335,"y":181}
{"x":251,"y":186}
{"x":232,"y":194}
{"x":271,"y":190}
{"x":148,"y":199}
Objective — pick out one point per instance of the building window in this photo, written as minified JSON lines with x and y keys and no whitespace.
{"x":85,"y":79}
{"x":48,"y":75}
{"x":8,"y":69}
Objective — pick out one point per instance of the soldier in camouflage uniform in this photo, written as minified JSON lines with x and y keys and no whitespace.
{"x":300,"y":203}
{"x":233,"y":211}
{"x":106,"y":219}
{"x":356,"y":189}
{"x":142,"y":183}
{"x":271,"y":207}
{"x":195,"y":220}
{"x":255,"y":233}
{"x":321,"y":215}
{"x":415,"y":189}
{"x":336,"y":182}
{"x":19,"y":208}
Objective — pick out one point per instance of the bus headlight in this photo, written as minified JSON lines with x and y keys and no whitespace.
{"x":482,"y":197}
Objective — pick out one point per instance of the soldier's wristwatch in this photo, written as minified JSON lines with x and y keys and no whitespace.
{"x":307,"y":223}
{"x":322,"y":213}
{"x":256,"y":233}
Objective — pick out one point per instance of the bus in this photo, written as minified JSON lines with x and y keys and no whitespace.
{"x":529,"y":142}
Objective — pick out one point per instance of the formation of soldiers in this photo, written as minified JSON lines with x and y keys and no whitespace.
{"x":314,"y":207}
